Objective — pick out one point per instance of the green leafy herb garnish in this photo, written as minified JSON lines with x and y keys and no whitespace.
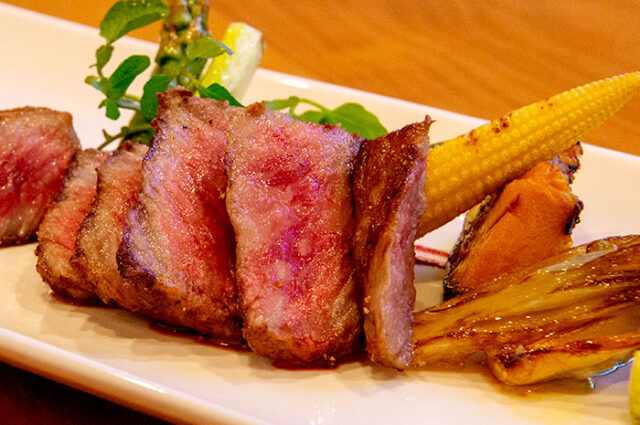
{"x":126,"y":16}
{"x":185,"y":48}
{"x":149,"y":101}
{"x":352,"y":116}
{"x":216,"y":91}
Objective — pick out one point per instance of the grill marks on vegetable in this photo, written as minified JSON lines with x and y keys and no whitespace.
{"x":570,"y":315}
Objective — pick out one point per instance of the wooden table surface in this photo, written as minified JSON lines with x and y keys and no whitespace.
{"x":476,"y":58}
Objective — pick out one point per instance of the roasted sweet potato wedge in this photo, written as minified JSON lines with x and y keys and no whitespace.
{"x":530,"y":219}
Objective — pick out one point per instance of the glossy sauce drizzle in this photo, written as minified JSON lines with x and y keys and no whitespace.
{"x":184,"y":332}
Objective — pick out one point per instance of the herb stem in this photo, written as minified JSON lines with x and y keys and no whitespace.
{"x":313,"y":103}
{"x":187,"y":21}
{"x":129,"y":103}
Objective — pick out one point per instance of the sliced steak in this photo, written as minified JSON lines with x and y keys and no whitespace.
{"x":57,"y":233}
{"x":178,"y":245}
{"x":291,"y":205}
{"x":36,"y":147}
{"x":99,"y":237}
{"x":389,"y":180}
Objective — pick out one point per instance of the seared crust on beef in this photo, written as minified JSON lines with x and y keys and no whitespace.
{"x":36,"y":147}
{"x":291,"y":205}
{"x":100,"y":235}
{"x":178,"y":244}
{"x":388,"y":188}
{"x":57,"y":233}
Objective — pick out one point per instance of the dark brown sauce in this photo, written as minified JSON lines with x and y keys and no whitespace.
{"x":184,"y":332}
{"x":324,"y":364}
{"x":477,"y":366}
{"x":195,"y":336}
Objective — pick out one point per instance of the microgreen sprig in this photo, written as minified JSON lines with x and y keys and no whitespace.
{"x":180,"y":61}
{"x":353,"y":117}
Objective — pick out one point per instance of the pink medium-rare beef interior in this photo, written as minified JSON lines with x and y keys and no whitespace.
{"x":178,"y":244}
{"x":57,"y":233}
{"x":389,"y":181}
{"x":290,"y":201}
{"x":100,"y":235}
{"x":36,"y":147}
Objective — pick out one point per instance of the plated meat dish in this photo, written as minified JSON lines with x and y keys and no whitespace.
{"x":291,"y":206}
{"x":36,"y":147}
{"x":178,"y":246}
{"x":100,"y":235}
{"x":252,"y":227}
{"x":388,"y":186}
{"x":59,"y":228}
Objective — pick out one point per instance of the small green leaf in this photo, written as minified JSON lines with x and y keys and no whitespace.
{"x":278,"y":104}
{"x":126,"y":16}
{"x":149,"y":101}
{"x":313,"y":116}
{"x":206,"y":48}
{"x":124,"y":75}
{"x":356,"y":119}
{"x":216,"y":91}
{"x":352,"y":116}
{"x":103,"y":55}
{"x":195,"y":68}
{"x":113,"y":111}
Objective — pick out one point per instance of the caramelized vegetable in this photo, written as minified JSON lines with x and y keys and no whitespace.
{"x":530,"y":219}
{"x":462,"y":171}
{"x":569,"y":315}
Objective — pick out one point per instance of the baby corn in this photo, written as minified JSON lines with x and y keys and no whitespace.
{"x":463,"y":170}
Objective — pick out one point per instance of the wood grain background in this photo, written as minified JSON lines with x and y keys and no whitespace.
{"x":476,"y":58}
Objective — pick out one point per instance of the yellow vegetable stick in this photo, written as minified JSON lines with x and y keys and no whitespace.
{"x":463,"y":170}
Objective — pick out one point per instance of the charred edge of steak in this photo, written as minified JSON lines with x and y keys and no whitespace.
{"x":389,"y":192}
{"x":142,"y":278}
{"x":118,"y":184}
{"x":58,"y":231}
{"x":18,"y":240}
{"x":155,"y":305}
{"x":390,"y":174}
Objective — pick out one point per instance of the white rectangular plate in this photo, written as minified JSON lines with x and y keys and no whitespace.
{"x":116,"y":355}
